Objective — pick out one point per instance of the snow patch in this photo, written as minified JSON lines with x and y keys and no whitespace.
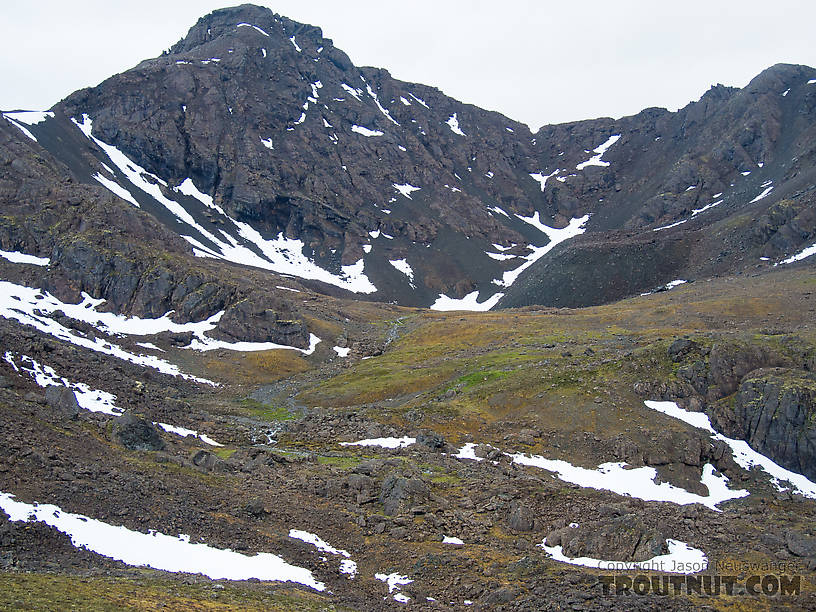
{"x":499,"y":256}
{"x":268,"y":143}
{"x":420,"y":100}
{"x":184,"y":432}
{"x":670,"y":225}
{"x":599,"y":151}
{"x":762,"y":195}
{"x":681,"y":559}
{"x":469,"y":302}
{"x":282,"y":255}
{"x":575,"y":227}
{"x":453,"y":124}
{"x":697,"y":211}
{"x":803,"y":254}
{"x":542,"y":178}
{"x":355,"y":93}
{"x":89,"y":399}
{"x":347,"y":566}
{"x":383,"y":442}
{"x":17,"y":257}
{"x":204,"y":343}
{"x":341,"y":351}
{"x":157,"y":550}
{"x":116,"y":188}
{"x":254,"y":27}
{"x":496,"y":209}
{"x":365,"y":131}
{"x":29,"y":117}
{"x":383,"y":110}
{"x":406,"y":189}
{"x":403,"y":266}
{"x":394,"y":581}
{"x":20,"y":127}
{"x":624,"y":480}
{"x":32,"y":307}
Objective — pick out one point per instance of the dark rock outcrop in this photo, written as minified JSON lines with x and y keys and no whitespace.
{"x":621,"y":538}
{"x":774,"y":410}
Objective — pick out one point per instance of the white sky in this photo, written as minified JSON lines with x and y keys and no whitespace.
{"x":536,"y":61}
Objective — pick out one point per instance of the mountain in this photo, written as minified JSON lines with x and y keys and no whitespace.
{"x":263,"y":145}
{"x":220,"y":386}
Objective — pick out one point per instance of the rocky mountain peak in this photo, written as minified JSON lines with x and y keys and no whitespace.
{"x":779,"y":77}
{"x":232,"y":22}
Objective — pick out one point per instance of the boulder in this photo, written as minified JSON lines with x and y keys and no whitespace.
{"x":136,"y":433}
{"x":521,"y":518}
{"x":63,"y":400}
{"x":431,"y":439}
{"x":680,"y":348}
{"x":621,"y":538}
{"x":397,"y":492}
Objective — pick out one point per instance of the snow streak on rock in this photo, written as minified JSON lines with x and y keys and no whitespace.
{"x":32,"y":307}
{"x":347,"y":566}
{"x":803,"y":254}
{"x":556,"y":236}
{"x":453,"y":124}
{"x":45,"y":376}
{"x":403,"y":266}
{"x":542,"y":178}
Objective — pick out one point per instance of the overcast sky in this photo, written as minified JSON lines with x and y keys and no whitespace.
{"x":535,"y":61}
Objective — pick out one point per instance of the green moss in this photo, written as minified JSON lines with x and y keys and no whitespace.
{"x":477,"y":378}
{"x":345,"y":463}
{"x":266,"y":412}
{"x":146,"y":591}
{"x":224,"y":453}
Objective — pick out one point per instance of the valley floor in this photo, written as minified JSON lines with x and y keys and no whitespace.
{"x":423,"y":470}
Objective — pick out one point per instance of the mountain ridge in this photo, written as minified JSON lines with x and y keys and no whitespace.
{"x":371,"y":181}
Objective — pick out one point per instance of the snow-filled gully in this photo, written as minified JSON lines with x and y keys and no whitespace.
{"x":247,"y":246}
